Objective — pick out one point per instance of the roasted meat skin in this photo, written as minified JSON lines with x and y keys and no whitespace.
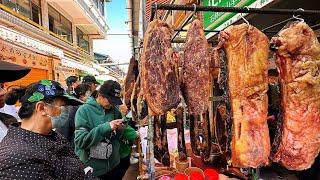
{"x":247,"y":54}
{"x":159,"y":80}
{"x":298,"y":57}
{"x":196,"y":70}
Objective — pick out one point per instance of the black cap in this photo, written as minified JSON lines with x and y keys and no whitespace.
{"x":71,"y":79}
{"x":47,"y":89}
{"x":111,"y":90}
{"x":11,"y":72}
{"x":90,"y":79}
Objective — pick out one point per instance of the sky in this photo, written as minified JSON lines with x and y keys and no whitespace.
{"x":118,"y":47}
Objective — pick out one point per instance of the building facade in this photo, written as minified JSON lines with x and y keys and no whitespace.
{"x":53,"y":37}
{"x":112,"y":68}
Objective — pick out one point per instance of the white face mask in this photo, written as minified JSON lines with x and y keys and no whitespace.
{"x":61,"y":119}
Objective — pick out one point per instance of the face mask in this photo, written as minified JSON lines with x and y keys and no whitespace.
{"x":59,"y":120}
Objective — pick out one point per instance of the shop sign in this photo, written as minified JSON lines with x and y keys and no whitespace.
{"x":76,"y":65}
{"x":21,"y":56}
{"x":28,"y":42}
{"x":221,"y":20}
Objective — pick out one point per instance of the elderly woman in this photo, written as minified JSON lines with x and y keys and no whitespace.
{"x":31,"y":150}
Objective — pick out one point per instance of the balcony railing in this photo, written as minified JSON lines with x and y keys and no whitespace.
{"x":40,"y":32}
{"x":94,"y":13}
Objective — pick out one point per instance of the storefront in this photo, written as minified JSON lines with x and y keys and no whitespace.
{"x":45,"y":61}
{"x":41,"y":65}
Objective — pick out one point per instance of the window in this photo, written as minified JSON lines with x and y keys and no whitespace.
{"x":36,"y":13}
{"x":100,"y":6}
{"x":27,"y":8}
{"x":59,"y":24}
{"x":24,"y":8}
{"x":83,"y":40}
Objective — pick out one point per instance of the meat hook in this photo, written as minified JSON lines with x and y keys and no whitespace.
{"x":298,"y":18}
{"x":245,"y":20}
{"x":156,"y":10}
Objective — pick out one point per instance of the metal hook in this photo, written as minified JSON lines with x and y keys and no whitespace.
{"x":156,"y":10}
{"x":245,"y":20}
{"x":297,"y":17}
{"x":194,"y":9}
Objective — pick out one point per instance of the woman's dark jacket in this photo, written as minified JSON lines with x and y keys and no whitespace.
{"x":28,"y":155}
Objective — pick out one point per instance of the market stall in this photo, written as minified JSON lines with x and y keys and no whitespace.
{"x":226,"y":113}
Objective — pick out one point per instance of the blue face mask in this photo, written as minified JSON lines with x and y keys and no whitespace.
{"x":61,"y":119}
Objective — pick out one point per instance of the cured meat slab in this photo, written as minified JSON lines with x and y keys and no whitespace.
{"x":196,"y":86}
{"x":298,"y":57}
{"x":129,"y":81}
{"x":161,"y":151}
{"x":247,"y":54}
{"x":182,"y":150}
{"x":159,"y":81}
{"x":196,"y":70}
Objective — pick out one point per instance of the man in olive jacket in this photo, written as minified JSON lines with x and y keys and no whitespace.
{"x":99,"y":122}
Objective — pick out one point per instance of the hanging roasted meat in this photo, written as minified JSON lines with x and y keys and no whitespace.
{"x":130,"y":80}
{"x":246,"y":50}
{"x":161,"y":151}
{"x":158,"y":78}
{"x":196,"y":75}
{"x":196,"y":86}
{"x":298,"y":58}
{"x":181,"y":140}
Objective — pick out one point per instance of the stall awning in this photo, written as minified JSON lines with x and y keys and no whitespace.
{"x":100,"y":68}
{"x":68,"y":62}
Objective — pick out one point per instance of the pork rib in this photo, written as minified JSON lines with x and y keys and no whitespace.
{"x":298,"y":57}
{"x":247,"y":54}
{"x":159,"y":81}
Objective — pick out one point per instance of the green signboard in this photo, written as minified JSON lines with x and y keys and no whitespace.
{"x":220,"y":20}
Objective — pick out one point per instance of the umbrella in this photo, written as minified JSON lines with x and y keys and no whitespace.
{"x":11,"y":72}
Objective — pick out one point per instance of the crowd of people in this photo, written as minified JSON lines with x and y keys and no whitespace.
{"x":76,"y":132}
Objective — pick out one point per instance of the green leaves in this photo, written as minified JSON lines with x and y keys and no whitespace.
{"x":36,"y":96}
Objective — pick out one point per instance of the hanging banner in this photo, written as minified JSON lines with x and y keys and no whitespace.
{"x":221,"y":20}
{"x":20,"y":39}
{"x":21,"y":56}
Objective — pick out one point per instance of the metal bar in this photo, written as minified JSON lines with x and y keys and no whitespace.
{"x":151,"y":164}
{"x":113,"y":64}
{"x":184,"y":24}
{"x":208,"y":31}
{"x":184,"y":30}
{"x":231,"y":9}
{"x":118,"y":34}
{"x":184,"y":40}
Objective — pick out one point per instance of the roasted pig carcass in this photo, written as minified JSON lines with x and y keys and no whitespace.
{"x":246,"y":51}
{"x":159,"y":80}
{"x":196,"y":85}
{"x":297,"y":142}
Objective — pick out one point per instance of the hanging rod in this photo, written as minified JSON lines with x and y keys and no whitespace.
{"x":208,"y":31}
{"x":156,"y":7}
